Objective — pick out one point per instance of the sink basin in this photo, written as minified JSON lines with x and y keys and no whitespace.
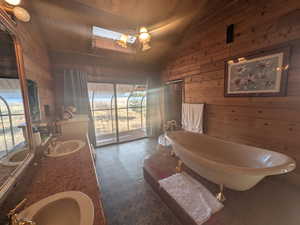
{"x":65,"y":148}
{"x":65,"y":208}
{"x":15,"y":158}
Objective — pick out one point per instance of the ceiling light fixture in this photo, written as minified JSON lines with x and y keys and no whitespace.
{"x":13,"y":2}
{"x":19,"y":12}
{"x":123,"y":41}
{"x":144,"y":38}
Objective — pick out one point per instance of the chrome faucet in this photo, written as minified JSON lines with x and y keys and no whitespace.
{"x":52,"y":144}
{"x":13,"y":216}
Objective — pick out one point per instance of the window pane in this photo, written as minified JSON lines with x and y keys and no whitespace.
{"x":12,"y":95}
{"x":104,"y":122}
{"x":109,"y":34}
{"x":101,"y":96}
{"x":18,"y":133}
{"x":123,"y":92}
{"x":2,"y":145}
{"x":136,"y":98}
{"x":12,"y":111}
{"x":131,"y":110}
{"x":122,"y":119}
{"x":144,"y":118}
{"x":134,"y":117}
{"x":5,"y":132}
{"x":102,"y":104}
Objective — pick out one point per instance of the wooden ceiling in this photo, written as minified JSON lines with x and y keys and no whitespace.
{"x":66,"y":24}
{"x":143,"y":12}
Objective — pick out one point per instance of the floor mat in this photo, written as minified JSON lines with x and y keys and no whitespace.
{"x":192,"y":196}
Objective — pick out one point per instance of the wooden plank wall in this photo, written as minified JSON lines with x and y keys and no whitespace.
{"x":101,"y":69}
{"x":8,"y":65}
{"x":36,"y":60}
{"x":268,"y":122}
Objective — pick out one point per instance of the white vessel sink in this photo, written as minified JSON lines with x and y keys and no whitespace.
{"x":65,"y":208}
{"x":15,"y":158}
{"x":65,"y":148}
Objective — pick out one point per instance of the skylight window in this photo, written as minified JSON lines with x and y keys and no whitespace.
{"x":113,"y":35}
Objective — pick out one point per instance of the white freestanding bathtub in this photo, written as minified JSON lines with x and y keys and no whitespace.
{"x":236,"y":166}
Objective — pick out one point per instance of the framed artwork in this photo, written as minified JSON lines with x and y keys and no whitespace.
{"x":260,"y":74}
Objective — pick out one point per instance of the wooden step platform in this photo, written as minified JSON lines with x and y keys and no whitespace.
{"x":273,"y":201}
{"x":161,"y":165}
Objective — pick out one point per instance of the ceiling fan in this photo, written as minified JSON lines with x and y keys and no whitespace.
{"x":143,"y":37}
{"x":175,"y":24}
{"x":167,"y":27}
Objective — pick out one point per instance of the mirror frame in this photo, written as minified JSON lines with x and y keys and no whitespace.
{"x":11,"y":27}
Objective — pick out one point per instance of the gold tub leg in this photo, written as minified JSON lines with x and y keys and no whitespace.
{"x":220,"y":196}
{"x":179,"y":166}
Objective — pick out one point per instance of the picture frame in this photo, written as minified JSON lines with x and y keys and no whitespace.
{"x":260,"y":74}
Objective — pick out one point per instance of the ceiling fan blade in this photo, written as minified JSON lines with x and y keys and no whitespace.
{"x":177,"y":23}
{"x":173,"y":26}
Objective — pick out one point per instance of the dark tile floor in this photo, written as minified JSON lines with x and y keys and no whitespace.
{"x":127,"y":198}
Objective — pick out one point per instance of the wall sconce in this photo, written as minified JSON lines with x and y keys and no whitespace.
{"x":19,"y":12}
{"x":239,"y":60}
{"x":242,"y":59}
{"x":283,"y":68}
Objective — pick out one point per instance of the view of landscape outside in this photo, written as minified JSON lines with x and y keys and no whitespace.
{"x":131,"y":111}
{"x":11,"y":115}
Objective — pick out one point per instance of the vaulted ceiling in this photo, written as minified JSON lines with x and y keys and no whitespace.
{"x":66,"y":24}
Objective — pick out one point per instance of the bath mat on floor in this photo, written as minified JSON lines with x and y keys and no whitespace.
{"x":192,"y":196}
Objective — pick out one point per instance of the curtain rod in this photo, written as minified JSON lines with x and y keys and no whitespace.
{"x":173,"y":82}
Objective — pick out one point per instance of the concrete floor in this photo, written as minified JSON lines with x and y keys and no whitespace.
{"x":127,"y":198}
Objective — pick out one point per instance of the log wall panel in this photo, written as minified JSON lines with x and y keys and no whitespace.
{"x":36,"y":60}
{"x":268,"y":122}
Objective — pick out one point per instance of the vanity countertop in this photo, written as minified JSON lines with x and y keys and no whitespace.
{"x":74,"y":172}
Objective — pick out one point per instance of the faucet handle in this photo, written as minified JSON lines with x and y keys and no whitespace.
{"x":13,"y":211}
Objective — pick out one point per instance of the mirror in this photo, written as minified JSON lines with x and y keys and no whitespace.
{"x":14,"y":140}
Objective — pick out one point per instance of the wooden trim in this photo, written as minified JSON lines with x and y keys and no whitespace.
{"x":98,"y":180}
{"x":11,"y":27}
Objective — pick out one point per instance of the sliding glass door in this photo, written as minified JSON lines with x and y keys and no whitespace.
{"x":131,"y":111}
{"x":126,"y":121}
{"x":102,"y":101}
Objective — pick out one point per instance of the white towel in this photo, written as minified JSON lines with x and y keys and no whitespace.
{"x":192,"y":117}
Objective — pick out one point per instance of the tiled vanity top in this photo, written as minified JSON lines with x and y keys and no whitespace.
{"x":5,"y":172}
{"x":74,"y":172}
